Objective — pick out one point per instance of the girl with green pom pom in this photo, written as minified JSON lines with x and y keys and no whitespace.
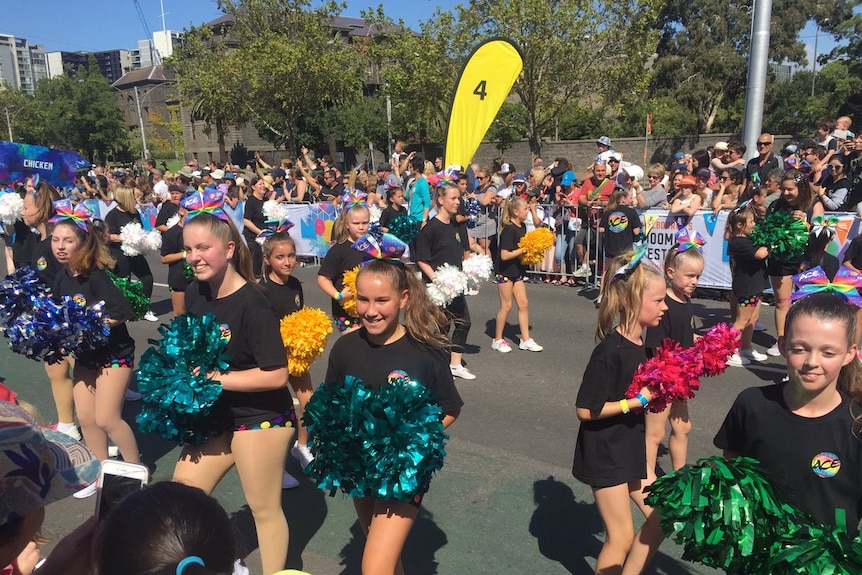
{"x":394,"y":206}
{"x":610,"y":453}
{"x":805,"y":431}
{"x":798,"y":200}
{"x":382,"y":349}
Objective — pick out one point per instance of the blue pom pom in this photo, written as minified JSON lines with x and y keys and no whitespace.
{"x":18,"y":291}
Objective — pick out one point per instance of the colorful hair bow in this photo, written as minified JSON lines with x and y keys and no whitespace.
{"x":385,"y":247}
{"x":742,"y":206}
{"x":66,"y":211}
{"x":623,"y":272}
{"x":824,"y":224}
{"x":353,"y":197}
{"x":689,"y":240}
{"x":845,"y":285}
{"x":209,"y":201}
{"x":272,"y":227}
{"x":445,"y":179}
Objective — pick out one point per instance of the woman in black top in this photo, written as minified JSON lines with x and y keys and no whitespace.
{"x":253,"y":220}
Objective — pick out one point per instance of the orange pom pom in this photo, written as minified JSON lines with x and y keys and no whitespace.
{"x":349,"y":303}
{"x":536,"y":245}
{"x":304,"y":334}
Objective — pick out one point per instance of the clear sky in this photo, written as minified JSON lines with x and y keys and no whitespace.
{"x":95,"y":25}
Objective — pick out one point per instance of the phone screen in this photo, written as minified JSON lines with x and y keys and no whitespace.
{"x":115,"y":488}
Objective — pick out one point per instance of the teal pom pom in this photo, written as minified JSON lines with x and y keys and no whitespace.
{"x":404,"y":228}
{"x":385,"y":442}
{"x":726,"y":514}
{"x":133,"y":291}
{"x":174,"y":379}
{"x":784,"y":236}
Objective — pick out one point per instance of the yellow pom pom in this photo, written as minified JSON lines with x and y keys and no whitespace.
{"x":535,"y":245}
{"x":349,"y":303}
{"x":304,"y":334}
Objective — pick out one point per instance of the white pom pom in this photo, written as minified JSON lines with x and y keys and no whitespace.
{"x":136,"y":241}
{"x":374,"y":213}
{"x":11,"y":205}
{"x":273,"y":210}
{"x":172,"y":221}
{"x":450,"y":281}
{"x":436,"y":296}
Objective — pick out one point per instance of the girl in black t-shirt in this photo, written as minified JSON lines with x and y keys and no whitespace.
{"x":349,"y":227}
{"x":285,"y":294}
{"x":683,"y":266}
{"x":100,"y":376}
{"x":174,"y":256}
{"x":382,"y":347}
{"x":394,"y":206}
{"x":255,"y":409}
{"x":510,"y":277}
{"x":610,"y":454}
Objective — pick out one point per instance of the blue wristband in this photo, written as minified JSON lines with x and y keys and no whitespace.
{"x":642,"y":399}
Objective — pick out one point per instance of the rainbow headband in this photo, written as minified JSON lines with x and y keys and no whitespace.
{"x":209,"y":201}
{"x":79,"y":213}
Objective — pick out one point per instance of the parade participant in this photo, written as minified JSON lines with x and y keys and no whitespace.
{"x":800,"y":201}
{"x":804,"y":431}
{"x":440,"y":243}
{"x":383,"y":346}
{"x":510,"y":277}
{"x":394,"y":205}
{"x":284,"y":292}
{"x":683,"y":266}
{"x":174,"y":256}
{"x":124,"y":213}
{"x":255,"y":411}
{"x":341,"y":257}
{"x":38,"y":209}
{"x":610,"y":454}
{"x":101,"y":376}
{"x":253,"y":220}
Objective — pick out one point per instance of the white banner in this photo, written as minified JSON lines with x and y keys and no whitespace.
{"x":716,"y":273}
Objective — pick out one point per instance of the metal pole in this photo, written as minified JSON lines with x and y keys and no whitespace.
{"x":814,"y":59}
{"x":388,"y":128}
{"x":9,"y":124}
{"x":756,"y":85}
{"x":141,"y":120}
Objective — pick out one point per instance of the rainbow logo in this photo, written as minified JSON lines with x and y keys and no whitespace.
{"x":826,"y":465}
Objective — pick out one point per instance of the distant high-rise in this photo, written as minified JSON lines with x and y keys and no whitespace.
{"x":21,"y":64}
{"x":112,"y":63}
{"x":161,"y":46}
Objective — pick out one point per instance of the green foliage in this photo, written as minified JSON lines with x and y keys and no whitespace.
{"x":669,"y":118}
{"x":509,"y":126}
{"x":24,"y":116}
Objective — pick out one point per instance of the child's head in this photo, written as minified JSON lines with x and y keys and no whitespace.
{"x":818,"y":342}
{"x":394,"y":195}
{"x":125,"y":197}
{"x":682,"y":270}
{"x":279,"y":254}
{"x":740,"y":222}
{"x":616,"y":199}
{"x":796,"y":190}
{"x":447,"y":199}
{"x":155,"y":529}
{"x":82,"y":251}
{"x":212,"y":245}
{"x":633,"y":299}
{"x":39,"y":204}
{"x":352,"y":224}
{"x":514,"y":209}
{"x":383,"y":289}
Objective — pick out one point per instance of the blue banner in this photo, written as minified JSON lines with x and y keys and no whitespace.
{"x":21,"y":161}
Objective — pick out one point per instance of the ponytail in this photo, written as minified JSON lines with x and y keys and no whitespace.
{"x":622,"y":297}
{"x":510,"y":206}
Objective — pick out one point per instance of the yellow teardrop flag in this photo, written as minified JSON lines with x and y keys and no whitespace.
{"x":485,"y":83}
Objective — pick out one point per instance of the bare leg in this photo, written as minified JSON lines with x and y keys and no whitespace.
{"x":386,"y":525}
{"x":85,"y":403}
{"x":680,"y":427}
{"x":203,"y":466}
{"x":178,"y":302}
{"x":519,"y":290}
{"x":505,"y":291}
{"x":655,"y":434}
{"x":781,"y":286}
{"x":110,"y":393}
{"x":614,"y":508}
{"x":648,"y":538}
{"x":303,"y":389}
{"x":61,"y":389}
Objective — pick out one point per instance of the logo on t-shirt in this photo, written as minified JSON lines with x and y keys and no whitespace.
{"x":79,"y":299}
{"x":618,"y":222}
{"x":397,"y":376}
{"x":826,"y":465}
{"x":41,"y":263}
{"x":225,"y":332}
{"x":296,"y":301}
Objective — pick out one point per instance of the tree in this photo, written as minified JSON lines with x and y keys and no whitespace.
{"x":509,"y":126}
{"x":167,"y":133}
{"x":24,"y":117}
{"x":573,"y":51}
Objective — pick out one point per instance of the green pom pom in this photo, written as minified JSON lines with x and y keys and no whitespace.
{"x":724,"y":513}
{"x":814,"y":550}
{"x":784,"y":236}
{"x":404,"y":228}
{"x":133,"y":291}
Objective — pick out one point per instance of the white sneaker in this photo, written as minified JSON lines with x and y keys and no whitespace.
{"x":501,"y":345}
{"x":88,"y":491}
{"x":113,"y":451}
{"x":774,"y":351}
{"x":738,"y":360}
{"x":69,"y":429}
{"x":239,"y":568}
{"x":530,"y":345}
{"x":288,"y":481}
{"x":582,"y":272}
{"x":461,"y":371}
{"x":753,"y":354}
{"x":150,"y":316}
{"x":302,"y":454}
{"x":132,"y":395}
{"x":759,"y":326}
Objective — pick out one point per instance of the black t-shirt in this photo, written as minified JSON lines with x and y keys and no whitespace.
{"x":619,"y":226}
{"x":116,"y":219}
{"x":354,"y":355}
{"x":340,"y":258}
{"x":439,"y":244}
{"x":95,"y":288}
{"x":122,"y":265}
{"x":24,"y":241}
{"x":675,"y":324}
{"x":44,"y":262}
{"x":815,"y":463}
{"x":172,"y":243}
{"x":166,"y":212}
{"x":253,"y":213}
{"x":749,"y":274}
{"x":285,"y":298}
{"x":854,"y":253}
{"x":610,"y":451}
{"x":509,"y":238}
{"x":254,"y":340}
{"x":389,"y":213}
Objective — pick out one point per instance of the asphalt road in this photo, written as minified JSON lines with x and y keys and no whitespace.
{"x":506,"y":501}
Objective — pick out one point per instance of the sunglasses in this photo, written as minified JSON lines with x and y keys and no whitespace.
{"x":835,"y":167}
{"x":763,"y":144}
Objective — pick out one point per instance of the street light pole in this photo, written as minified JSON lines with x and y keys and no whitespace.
{"x":9,"y":124}
{"x":814,"y":60}
{"x":141,"y":121}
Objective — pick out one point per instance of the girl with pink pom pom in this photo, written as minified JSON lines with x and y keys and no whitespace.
{"x":610,"y":453}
